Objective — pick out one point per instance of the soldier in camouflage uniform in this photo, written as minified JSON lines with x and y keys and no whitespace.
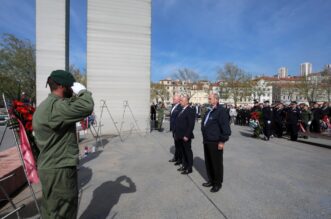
{"x":160,"y":116}
{"x":54,"y":124}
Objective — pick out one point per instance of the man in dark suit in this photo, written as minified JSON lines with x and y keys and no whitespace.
{"x":183,"y":134}
{"x":279,"y":116}
{"x":175,"y":110}
{"x":216,"y":131}
{"x":153,"y":116}
{"x":317,"y":116}
{"x":293,"y":115}
{"x":267,"y":119}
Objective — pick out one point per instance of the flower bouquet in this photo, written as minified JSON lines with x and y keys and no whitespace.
{"x":21,"y":121}
{"x":325,"y":124}
{"x":254,"y":123}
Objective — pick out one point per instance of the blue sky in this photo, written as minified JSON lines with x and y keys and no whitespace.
{"x":259,"y":36}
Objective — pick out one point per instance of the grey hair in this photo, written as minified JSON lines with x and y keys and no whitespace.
{"x":216,"y":96}
{"x":186,"y":96}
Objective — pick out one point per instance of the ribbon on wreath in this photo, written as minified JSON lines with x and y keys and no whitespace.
{"x":28,"y":158}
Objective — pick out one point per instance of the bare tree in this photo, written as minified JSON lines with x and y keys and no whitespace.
{"x":187,"y":75}
{"x":159,"y":91}
{"x":326,"y":82}
{"x":309,"y":88}
{"x":79,"y":75}
{"x":246,"y":90}
{"x":289,"y":89}
{"x":234,"y":82}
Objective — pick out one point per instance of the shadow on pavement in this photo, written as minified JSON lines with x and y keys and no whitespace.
{"x":106,"y":196}
{"x":199,"y":165}
{"x":246,"y":134}
{"x":101,"y":143}
{"x":84,"y":176}
{"x":315,"y":144}
{"x":90,"y":157}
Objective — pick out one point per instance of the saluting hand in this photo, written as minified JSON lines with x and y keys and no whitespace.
{"x":220,"y":146}
{"x":77,"y":87}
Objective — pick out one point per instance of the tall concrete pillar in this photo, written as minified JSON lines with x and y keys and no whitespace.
{"x":52,"y":41}
{"x":118,"y":61}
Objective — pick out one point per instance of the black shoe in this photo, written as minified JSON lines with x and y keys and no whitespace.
{"x":173,"y":160}
{"x":216,"y":188}
{"x":181,"y":169}
{"x":185,"y":172}
{"x":207,"y":184}
{"x":177,"y":163}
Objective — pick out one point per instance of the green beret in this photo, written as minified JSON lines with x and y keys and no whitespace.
{"x":62,"y":77}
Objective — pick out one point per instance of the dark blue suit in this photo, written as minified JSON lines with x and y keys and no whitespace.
{"x":184,"y":126}
{"x":215,"y":129}
{"x":174,"y":113}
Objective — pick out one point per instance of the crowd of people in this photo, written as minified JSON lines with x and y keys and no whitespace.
{"x":270,"y":120}
{"x":279,"y":119}
{"x":265,"y":118}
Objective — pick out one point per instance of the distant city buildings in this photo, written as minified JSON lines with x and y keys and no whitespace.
{"x":306,"y":69}
{"x":282,"y":87}
{"x":282,"y":72}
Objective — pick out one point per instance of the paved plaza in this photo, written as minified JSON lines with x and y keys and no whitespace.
{"x":7,"y":137}
{"x":274,"y":179}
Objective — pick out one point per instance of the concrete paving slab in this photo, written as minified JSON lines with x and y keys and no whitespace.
{"x":274,"y":179}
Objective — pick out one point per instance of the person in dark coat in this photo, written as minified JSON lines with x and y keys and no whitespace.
{"x":317,"y":116}
{"x":267,"y":119}
{"x":175,"y":110}
{"x":256,"y":106}
{"x":292,"y":119}
{"x":279,"y":116}
{"x":216,"y":131}
{"x":325,"y":110}
{"x":153,"y":115}
{"x":183,"y":133}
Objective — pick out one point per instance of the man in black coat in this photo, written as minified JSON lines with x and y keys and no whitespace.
{"x":293,"y":116}
{"x":325,"y":110}
{"x":153,"y":115}
{"x":317,"y":116}
{"x":183,"y":133}
{"x":175,"y":110}
{"x":279,"y":116}
{"x":216,"y":131}
{"x":267,"y":119}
